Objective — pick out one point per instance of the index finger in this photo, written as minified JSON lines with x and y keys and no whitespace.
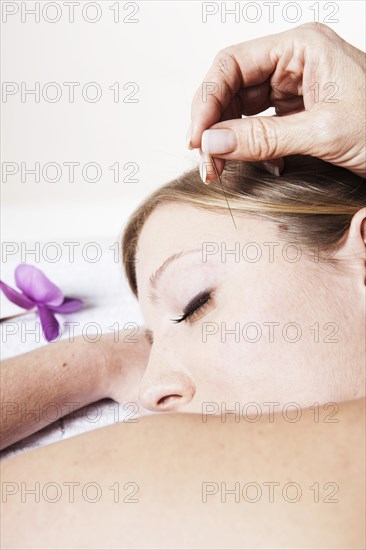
{"x":241,"y":65}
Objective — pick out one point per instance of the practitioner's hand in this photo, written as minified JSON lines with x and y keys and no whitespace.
{"x":313,"y":78}
{"x":126,"y":354}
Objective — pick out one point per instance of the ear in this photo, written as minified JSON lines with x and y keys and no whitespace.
{"x":352,"y":246}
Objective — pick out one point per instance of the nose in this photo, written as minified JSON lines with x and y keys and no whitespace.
{"x":166,"y":389}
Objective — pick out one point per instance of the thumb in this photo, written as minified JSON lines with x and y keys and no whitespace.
{"x":260,"y":138}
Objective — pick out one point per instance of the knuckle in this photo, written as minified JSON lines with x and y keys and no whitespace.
{"x":324,"y":29}
{"x":259,"y":139}
{"x":224,"y":62}
{"x":315,"y":26}
{"x":319,"y":29}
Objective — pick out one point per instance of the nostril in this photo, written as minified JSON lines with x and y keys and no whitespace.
{"x":165,"y":393}
{"x":168,"y":399}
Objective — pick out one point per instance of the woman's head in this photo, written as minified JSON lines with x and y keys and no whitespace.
{"x":279,"y":300}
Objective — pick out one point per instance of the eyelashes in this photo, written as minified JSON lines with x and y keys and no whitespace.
{"x":195,"y":306}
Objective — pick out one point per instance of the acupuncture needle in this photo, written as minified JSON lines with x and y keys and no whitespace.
{"x":223,"y":190}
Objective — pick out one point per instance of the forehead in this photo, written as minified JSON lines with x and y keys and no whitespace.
{"x":173,"y":228}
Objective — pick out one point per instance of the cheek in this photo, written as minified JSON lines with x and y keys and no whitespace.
{"x":270,"y":291}
{"x":217,"y":368}
{"x":241,"y":343}
{"x":220,"y":360}
{"x":258,"y":343}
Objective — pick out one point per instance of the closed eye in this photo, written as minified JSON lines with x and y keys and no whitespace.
{"x":195,"y":306}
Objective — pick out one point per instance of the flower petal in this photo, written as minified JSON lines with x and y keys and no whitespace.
{"x":68,"y":305}
{"x":16,"y":297}
{"x":34,"y":283}
{"x":50,"y":325}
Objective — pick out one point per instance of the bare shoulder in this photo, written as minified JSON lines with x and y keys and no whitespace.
{"x":276,"y":482}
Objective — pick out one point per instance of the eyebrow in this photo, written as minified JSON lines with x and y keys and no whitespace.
{"x":154,"y":278}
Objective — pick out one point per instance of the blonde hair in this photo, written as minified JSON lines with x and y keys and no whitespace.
{"x":312,"y":201}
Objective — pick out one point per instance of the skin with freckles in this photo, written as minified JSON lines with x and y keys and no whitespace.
{"x":271,"y":324}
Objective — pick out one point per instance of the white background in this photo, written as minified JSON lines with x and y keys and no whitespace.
{"x":166,"y":53}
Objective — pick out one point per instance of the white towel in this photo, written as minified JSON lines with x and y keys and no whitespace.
{"x":109,"y":304}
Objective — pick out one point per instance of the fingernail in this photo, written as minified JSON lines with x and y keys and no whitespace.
{"x":203,"y":171}
{"x":271,"y":168}
{"x":188,"y":137}
{"x":218,"y":142}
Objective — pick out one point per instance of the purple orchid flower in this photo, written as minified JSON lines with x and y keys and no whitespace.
{"x":38,"y":291}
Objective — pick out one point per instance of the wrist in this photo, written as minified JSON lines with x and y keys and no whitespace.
{"x":95,"y":369}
